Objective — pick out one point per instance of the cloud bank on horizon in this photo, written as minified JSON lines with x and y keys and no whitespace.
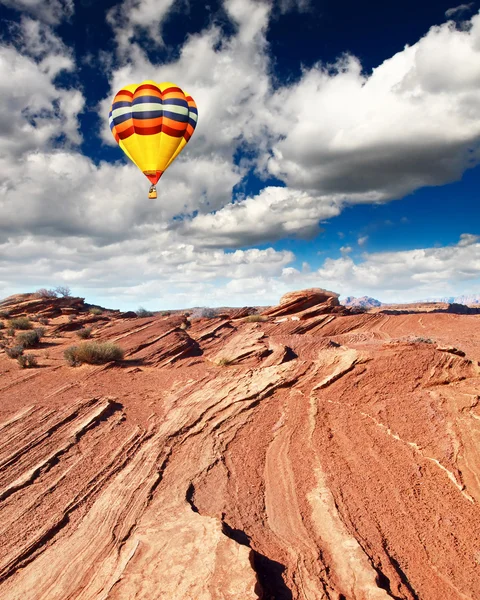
{"x":334,"y":138}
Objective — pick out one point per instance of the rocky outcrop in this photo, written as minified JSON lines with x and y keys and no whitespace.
{"x":29,"y":304}
{"x":306,"y":304}
{"x":314,"y":453}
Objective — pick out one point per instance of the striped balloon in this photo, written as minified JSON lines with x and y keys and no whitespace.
{"x":152,"y":123}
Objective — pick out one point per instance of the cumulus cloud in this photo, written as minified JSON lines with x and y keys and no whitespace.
{"x":34,"y":112}
{"x":415,"y":121}
{"x":160,"y":269}
{"x":228,"y":77}
{"x":398,"y":276}
{"x":336,"y":137}
{"x":459,"y":10}
{"x":276,"y":213}
{"x":48,"y":11}
{"x":132,"y":17}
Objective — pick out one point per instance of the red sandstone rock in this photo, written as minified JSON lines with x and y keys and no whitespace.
{"x":295,"y":302}
{"x":334,"y":456}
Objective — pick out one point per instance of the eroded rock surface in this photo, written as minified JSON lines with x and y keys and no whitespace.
{"x":327,"y":456}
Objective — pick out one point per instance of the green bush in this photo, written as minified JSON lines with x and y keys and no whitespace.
{"x":20,"y":323}
{"x":84,"y":333}
{"x":142,"y":312}
{"x":28,"y":339}
{"x":27,"y":360}
{"x":70,"y":355}
{"x":4,"y":314}
{"x":224,"y":362}
{"x":255,"y":318}
{"x":95,"y":310}
{"x":93,"y":353}
{"x":14,"y":351}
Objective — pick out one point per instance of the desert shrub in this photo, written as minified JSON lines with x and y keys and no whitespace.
{"x":2,"y":325}
{"x":14,"y":351}
{"x":70,"y":355}
{"x":84,"y":333}
{"x":20,"y":323}
{"x":11,"y":331}
{"x":93,"y":353}
{"x":27,"y":361}
{"x":63,"y":290}
{"x":71,"y":318}
{"x":142,"y":312}
{"x":422,"y":340}
{"x":255,"y":318}
{"x":205,"y":313}
{"x":95,"y":310}
{"x":28,"y":339}
{"x":43,"y":321}
{"x":224,"y":362}
{"x":44,"y":293}
{"x":4,"y":314}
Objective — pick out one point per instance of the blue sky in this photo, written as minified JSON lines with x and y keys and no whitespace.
{"x":337,"y":146}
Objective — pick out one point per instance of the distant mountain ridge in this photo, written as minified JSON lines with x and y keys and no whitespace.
{"x":362,"y":302}
{"x":465,"y":299}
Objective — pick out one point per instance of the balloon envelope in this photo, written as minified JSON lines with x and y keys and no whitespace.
{"x":152,"y":123}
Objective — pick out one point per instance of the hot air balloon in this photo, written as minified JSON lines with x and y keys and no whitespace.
{"x":152,"y":123}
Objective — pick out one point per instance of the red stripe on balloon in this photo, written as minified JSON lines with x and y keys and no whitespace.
{"x":147,"y":86}
{"x":171,"y":90}
{"x":127,"y":133}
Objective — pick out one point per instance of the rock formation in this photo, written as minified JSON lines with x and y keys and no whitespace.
{"x":305,"y":453}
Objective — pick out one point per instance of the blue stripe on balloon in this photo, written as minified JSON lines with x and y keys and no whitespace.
{"x":175,"y":116}
{"x":147,"y":99}
{"x":122,"y":118}
{"x":122,"y":104}
{"x":192,"y":123}
{"x":148,"y":114}
{"x":176,"y":102}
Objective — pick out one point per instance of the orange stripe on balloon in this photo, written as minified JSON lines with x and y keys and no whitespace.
{"x":155,"y":93}
{"x":121,"y":98}
{"x":142,"y":123}
{"x":121,"y":127}
{"x":174,"y":124}
{"x":173,"y":96}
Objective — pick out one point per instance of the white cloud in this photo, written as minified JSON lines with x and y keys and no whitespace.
{"x":49,"y":11}
{"x":227,"y":77}
{"x":276,"y":213}
{"x":459,"y":10}
{"x":33,"y":111}
{"x":415,"y":121}
{"x":362,"y":240}
{"x":160,"y":269}
{"x":399,"y":276}
{"x":349,"y":138}
{"x":132,"y":17}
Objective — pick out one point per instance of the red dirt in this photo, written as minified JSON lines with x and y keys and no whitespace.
{"x":307,"y":455}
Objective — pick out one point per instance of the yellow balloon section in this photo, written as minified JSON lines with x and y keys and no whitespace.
{"x":152,"y":123}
